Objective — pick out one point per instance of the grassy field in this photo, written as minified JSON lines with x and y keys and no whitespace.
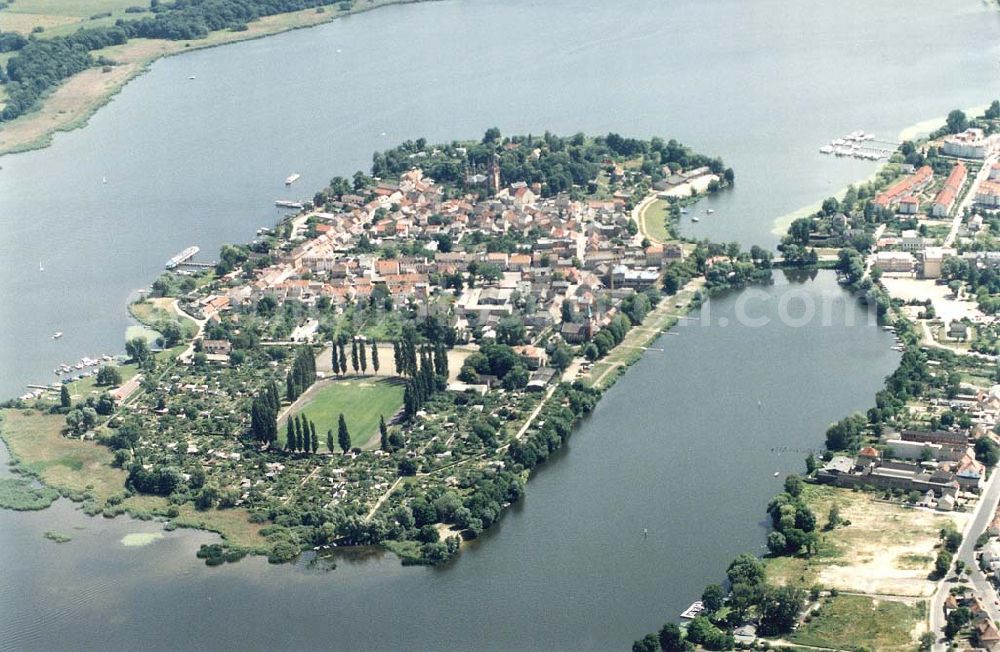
{"x":81,"y":389}
{"x":72,"y":465}
{"x":233,"y":524}
{"x":60,"y":17}
{"x":887,"y":549}
{"x":848,"y":621}
{"x":153,"y":310}
{"x":653,"y":220}
{"x":360,"y":401}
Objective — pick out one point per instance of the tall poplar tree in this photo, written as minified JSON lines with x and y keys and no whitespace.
{"x":343,"y":436}
{"x":383,"y":434}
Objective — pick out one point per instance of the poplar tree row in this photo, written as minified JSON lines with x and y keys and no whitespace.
{"x":264,"y":415}
{"x":302,"y":374}
{"x":422,"y":384}
{"x":359,"y":357}
{"x":301,"y":435}
{"x":406,"y":352}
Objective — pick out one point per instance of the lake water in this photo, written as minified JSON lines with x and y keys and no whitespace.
{"x":679,"y":446}
{"x":685,"y":446}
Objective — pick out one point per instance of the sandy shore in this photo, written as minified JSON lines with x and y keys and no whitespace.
{"x":925,"y":127}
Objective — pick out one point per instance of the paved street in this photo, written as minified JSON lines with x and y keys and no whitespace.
{"x":984,"y":172}
{"x":981,"y":517}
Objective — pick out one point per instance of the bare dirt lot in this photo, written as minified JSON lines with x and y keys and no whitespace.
{"x":887,"y":549}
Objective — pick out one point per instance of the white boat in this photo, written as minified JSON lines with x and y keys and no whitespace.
{"x":710,"y":210}
{"x":826,"y":149}
{"x":104,"y":179}
{"x":693,"y":611}
{"x":292,"y":178}
{"x":776,"y":474}
{"x":40,"y":268}
{"x":182,"y":257}
{"x":191,"y":77}
{"x":695,"y":219}
{"x":57,"y":335}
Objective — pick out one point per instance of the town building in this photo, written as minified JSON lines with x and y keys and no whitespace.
{"x":895,"y":261}
{"x":906,"y":186}
{"x":946,"y":197}
{"x":971,"y":143}
{"x":988,"y":194}
{"x":909,"y":205}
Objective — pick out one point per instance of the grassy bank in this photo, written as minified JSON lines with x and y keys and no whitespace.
{"x":661,"y":319}
{"x":83,"y":470}
{"x":74,"y":467}
{"x":74,"y":101}
{"x":653,"y":221}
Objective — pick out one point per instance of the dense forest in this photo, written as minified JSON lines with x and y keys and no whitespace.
{"x":40,"y":63}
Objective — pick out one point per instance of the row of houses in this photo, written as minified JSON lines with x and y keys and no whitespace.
{"x":984,"y":630}
{"x":946,"y":197}
{"x":906,"y":187}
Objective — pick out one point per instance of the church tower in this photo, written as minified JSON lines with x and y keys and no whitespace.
{"x":494,"y":173}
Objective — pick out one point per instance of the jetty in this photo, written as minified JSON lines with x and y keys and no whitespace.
{"x":191,"y":264}
{"x":692,"y":612}
{"x":182,"y":257}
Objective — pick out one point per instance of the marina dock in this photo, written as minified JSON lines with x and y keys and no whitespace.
{"x":182,"y":257}
{"x":859,"y":144}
